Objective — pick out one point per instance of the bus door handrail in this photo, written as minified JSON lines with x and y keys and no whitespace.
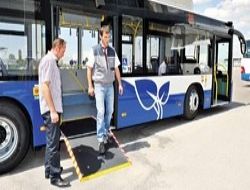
{"x":226,"y":77}
{"x":216,"y":82}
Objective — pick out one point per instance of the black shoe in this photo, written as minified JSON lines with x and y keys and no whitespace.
{"x":110,"y":139}
{"x":59,"y":182}
{"x":102,"y":148}
{"x":47,"y":174}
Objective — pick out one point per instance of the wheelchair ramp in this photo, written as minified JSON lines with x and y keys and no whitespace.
{"x":82,"y":145}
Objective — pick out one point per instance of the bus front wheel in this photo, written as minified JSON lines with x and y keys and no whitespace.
{"x":14,"y":136}
{"x":191,"y":103}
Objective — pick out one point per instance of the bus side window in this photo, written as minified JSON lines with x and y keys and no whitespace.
{"x":3,"y":70}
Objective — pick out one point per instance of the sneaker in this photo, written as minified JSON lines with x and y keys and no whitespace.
{"x":102,"y":148}
{"x":59,"y":182}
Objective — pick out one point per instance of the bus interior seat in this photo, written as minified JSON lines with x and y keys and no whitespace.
{"x":154,"y":60}
{"x":174,"y":67}
{"x":138,"y":69}
{"x":197,"y":71}
{"x":219,"y":74}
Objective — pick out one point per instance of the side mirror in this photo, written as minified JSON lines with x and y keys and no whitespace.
{"x":243,"y":46}
{"x":241,"y":39}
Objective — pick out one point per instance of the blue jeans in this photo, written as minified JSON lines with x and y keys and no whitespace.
{"x":104,"y":95}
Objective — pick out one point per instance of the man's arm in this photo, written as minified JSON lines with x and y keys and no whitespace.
{"x":118,"y":77}
{"x":90,"y":65}
{"x":48,"y":98}
{"x":91,"y":91}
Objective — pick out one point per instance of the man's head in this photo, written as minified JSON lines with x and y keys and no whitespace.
{"x":105,"y":35}
{"x":59,"y":47}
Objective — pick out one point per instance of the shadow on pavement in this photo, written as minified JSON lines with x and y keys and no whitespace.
{"x":136,"y":146}
{"x":246,"y":85}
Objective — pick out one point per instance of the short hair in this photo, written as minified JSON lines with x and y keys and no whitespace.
{"x":58,"y":42}
{"x":104,"y":29}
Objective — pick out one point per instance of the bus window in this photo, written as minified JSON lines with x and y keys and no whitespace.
{"x":89,"y":39}
{"x":222,"y":59}
{"x":163,"y":49}
{"x":70,"y":58}
{"x":73,"y":27}
{"x":131,"y":44}
{"x":80,"y":33}
{"x":22,"y":46}
{"x":196,"y":52}
{"x":127,"y":54}
{"x":153,"y":54}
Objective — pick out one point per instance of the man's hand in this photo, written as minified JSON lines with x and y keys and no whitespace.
{"x":91,"y":91}
{"x":120,"y":89}
{"x":54,"y":117}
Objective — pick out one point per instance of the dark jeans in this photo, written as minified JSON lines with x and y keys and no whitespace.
{"x":52,"y":152}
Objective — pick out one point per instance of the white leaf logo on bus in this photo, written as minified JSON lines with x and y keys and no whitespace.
{"x":150,"y":97}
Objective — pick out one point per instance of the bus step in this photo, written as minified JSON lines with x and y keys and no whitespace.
{"x":76,"y":97}
{"x":79,"y":111}
{"x":82,"y":146}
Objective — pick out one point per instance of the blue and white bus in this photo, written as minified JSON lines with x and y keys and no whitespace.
{"x":245,"y":63}
{"x":144,"y":33}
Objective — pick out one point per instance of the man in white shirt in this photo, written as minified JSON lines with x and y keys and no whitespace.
{"x":50,"y":99}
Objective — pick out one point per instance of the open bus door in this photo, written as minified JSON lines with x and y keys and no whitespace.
{"x":222,"y":72}
{"x":222,"y":85}
{"x":80,"y":33}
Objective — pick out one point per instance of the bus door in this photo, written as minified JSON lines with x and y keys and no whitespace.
{"x":222,"y":73}
{"x":81,"y":33}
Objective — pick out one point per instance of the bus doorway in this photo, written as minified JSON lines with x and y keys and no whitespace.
{"x":80,"y":33}
{"x":222,"y":74}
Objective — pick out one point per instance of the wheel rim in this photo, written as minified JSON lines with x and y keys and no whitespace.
{"x":194,"y":101}
{"x":8,"y":138}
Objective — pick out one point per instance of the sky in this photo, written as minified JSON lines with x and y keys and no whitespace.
{"x":237,"y":11}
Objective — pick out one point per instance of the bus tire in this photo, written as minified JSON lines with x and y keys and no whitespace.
{"x":191,"y":103}
{"x":14,"y":136}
